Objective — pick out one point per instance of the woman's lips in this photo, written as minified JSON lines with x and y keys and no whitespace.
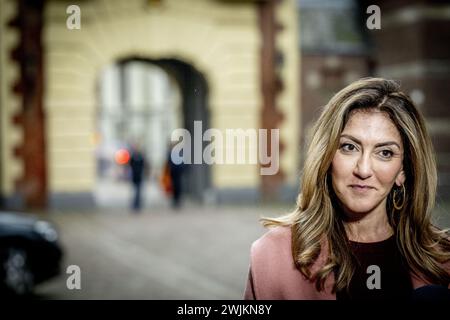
{"x":361,"y":188}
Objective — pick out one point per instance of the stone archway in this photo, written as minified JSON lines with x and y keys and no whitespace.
{"x":194,"y":91}
{"x":222,"y":51}
{"x":143,"y":101}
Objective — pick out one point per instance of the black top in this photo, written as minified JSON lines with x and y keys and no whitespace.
{"x":380,"y":274}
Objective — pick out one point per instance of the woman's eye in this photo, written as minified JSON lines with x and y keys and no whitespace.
{"x":386,"y":153}
{"x":348,"y":147}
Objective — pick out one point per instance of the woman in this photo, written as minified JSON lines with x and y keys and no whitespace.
{"x":361,"y":229}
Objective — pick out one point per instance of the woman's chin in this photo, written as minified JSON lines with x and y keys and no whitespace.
{"x":360,"y":208}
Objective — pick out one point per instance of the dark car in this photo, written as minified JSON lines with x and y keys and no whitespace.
{"x":30,"y":253}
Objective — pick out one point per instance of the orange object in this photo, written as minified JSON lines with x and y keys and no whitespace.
{"x":122,"y":156}
{"x":166,"y":180}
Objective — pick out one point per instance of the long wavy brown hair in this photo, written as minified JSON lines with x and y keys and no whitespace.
{"x":316,"y":217}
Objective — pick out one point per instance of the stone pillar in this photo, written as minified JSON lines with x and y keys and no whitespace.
{"x":29,"y":56}
{"x":271,"y":86}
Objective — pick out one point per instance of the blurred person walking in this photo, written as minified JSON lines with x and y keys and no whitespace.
{"x":139,"y":166}
{"x":172,"y":178}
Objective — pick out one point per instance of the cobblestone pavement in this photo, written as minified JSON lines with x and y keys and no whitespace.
{"x":195,"y":253}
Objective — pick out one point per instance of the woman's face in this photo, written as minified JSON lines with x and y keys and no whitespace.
{"x":368,"y":162}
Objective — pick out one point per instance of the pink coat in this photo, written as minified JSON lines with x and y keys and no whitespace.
{"x":273,"y":275}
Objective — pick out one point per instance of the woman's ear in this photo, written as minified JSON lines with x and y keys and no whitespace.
{"x":400,"y":178}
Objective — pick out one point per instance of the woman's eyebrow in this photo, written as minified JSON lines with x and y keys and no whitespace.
{"x":381,"y":144}
{"x":388,"y":143}
{"x":351,"y":138}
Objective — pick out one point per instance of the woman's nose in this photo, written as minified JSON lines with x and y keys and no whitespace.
{"x":363,"y":168}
